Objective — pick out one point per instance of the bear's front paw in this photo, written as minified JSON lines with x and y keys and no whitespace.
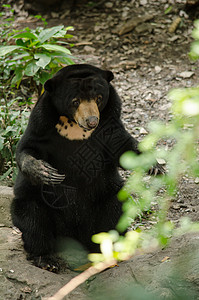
{"x":47,"y":174}
{"x":40,"y":172}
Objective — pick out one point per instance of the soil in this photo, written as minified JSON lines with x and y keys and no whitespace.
{"x":148,"y":61}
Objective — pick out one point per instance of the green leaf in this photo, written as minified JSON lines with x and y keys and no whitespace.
{"x":43,"y":61}
{"x":1,"y":143}
{"x":18,"y":76}
{"x":20,"y":42}
{"x":51,"y":47}
{"x":6,"y":174}
{"x":22,"y":56}
{"x":123,"y":223}
{"x":195,"y":48}
{"x":65,"y":60}
{"x":196,"y":24}
{"x":60,"y":34}
{"x":68,"y":36}
{"x":148,"y":143}
{"x":8,"y":49}
{"x":44,"y":76}
{"x":31,"y":69}
{"x":168,"y":10}
{"x":195,"y":33}
{"x":127,"y":160}
{"x":69,"y":28}
{"x":25,"y":35}
{"x":6,"y":5}
{"x":48,"y":33}
{"x":193,"y":55}
{"x":100,"y":237}
{"x":7,"y":130}
{"x":123,"y":195}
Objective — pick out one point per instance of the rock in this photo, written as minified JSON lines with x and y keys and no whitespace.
{"x":143,"y":131}
{"x":6,"y":195}
{"x":197,"y":180}
{"x":143,"y":2}
{"x":54,"y":15}
{"x":108,"y":4}
{"x":186,"y":74}
{"x":124,"y":15}
{"x":89,"y":49}
{"x":97,"y":28}
{"x":161,"y":161}
{"x":142,"y":28}
{"x":158,"y":69}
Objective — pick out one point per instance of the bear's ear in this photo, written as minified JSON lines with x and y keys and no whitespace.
{"x":51,"y":84}
{"x":48,"y":85}
{"x":108,"y":75}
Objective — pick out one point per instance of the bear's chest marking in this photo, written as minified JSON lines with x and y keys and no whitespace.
{"x":72,"y":131}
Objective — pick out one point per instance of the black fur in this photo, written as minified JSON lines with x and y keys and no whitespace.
{"x":69,"y":188}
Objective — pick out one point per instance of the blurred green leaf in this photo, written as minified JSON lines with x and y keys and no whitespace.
{"x":127,"y":160}
{"x":8,"y":49}
{"x":195,"y":48}
{"x":168,"y":10}
{"x":1,"y":142}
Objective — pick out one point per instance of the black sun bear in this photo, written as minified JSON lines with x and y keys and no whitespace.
{"x":68,"y":162}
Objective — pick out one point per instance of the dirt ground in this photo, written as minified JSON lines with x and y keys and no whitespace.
{"x":147,"y":62}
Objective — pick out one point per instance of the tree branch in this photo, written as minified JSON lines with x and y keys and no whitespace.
{"x":81,"y":278}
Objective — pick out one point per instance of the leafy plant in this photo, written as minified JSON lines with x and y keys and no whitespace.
{"x":31,"y":56}
{"x":182,"y":159}
{"x":13,"y":123}
{"x":7,"y":21}
{"x":36,"y":54}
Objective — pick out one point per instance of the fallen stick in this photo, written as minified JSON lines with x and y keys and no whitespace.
{"x":132,"y":23}
{"x":81,"y":278}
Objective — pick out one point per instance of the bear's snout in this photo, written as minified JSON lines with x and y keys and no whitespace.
{"x":92,"y":121}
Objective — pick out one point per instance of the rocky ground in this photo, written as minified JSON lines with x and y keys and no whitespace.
{"x":148,"y":60}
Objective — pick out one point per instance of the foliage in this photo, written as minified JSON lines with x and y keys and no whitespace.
{"x":194,"y":53}
{"x":13,"y":123}
{"x":31,"y":56}
{"x":35,"y":54}
{"x":180,"y":160}
{"x":7,"y":23}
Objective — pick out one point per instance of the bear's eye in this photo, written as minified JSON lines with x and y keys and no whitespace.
{"x":99,"y":99}
{"x":76,"y":103}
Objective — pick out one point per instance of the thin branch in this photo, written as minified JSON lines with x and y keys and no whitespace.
{"x":81,"y":278}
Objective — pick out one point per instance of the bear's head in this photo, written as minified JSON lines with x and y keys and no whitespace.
{"x":80,"y":92}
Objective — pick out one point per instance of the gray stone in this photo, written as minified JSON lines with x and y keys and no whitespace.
{"x":6,"y":195}
{"x":109,"y":4}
